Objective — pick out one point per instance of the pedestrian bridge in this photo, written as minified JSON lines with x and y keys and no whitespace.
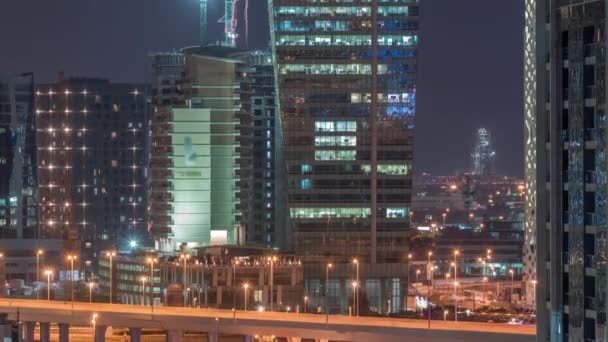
{"x":293,"y":326}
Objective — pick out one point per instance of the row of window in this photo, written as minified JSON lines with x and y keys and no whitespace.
{"x":363,"y":11}
{"x":390,"y":98}
{"x":346,"y":40}
{"x":388,"y":169}
{"x":314,"y":213}
{"x":335,"y":155}
{"x":335,"y":126}
{"x":341,"y":140}
{"x":331,"y":69}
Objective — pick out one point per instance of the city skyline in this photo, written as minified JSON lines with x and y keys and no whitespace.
{"x":446,"y":79}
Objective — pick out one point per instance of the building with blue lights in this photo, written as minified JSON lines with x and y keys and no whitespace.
{"x":346,"y":74}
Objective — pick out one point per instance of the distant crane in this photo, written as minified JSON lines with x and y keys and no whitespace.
{"x":230,"y":21}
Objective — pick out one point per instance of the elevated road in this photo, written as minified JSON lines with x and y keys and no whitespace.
{"x":249,"y":323}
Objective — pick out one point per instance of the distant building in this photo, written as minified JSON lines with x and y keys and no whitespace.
{"x":347,"y":89}
{"x":18,"y":165}
{"x":566,"y":98}
{"x":92,"y":157}
{"x":166,"y":70}
{"x":483,"y":153}
{"x":195,"y":156}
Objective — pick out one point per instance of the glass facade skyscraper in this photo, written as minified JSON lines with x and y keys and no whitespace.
{"x":347,"y":94}
{"x":18,"y":174}
{"x":346,"y":83}
{"x":571,"y":212}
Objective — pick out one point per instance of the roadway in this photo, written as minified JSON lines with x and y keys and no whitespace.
{"x":341,"y":328}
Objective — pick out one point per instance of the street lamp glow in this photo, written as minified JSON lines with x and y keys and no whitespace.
{"x":133,"y":243}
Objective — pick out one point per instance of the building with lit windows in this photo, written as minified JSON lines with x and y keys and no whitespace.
{"x":194,"y":198}
{"x":347,"y":95}
{"x":18,"y":173}
{"x":166,"y":69}
{"x":92,"y":164}
{"x":566,"y":98}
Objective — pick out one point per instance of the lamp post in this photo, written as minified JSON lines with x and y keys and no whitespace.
{"x":94,"y":322}
{"x":407,"y":280}
{"x":534,"y":282}
{"x":512,"y":285}
{"x":38,"y":254}
{"x":272,"y":259}
{"x":143,"y":291}
{"x":327,"y":268}
{"x":356,"y":289}
{"x":417,"y":274}
{"x":245,"y":287}
{"x":151,"y":261}
{"x":429,"y":277}
{"x":48,"y":284}
{"x":111,"y":255}
{"x":305,"y":304}
{"x":91,"y":284}
{"x":444,"y":215}
{"x":456,"y":301}
{"x":185,"y":257}
{"x":71,"y":258}
{"x":456,"y":253}
{"x":235,"y":263}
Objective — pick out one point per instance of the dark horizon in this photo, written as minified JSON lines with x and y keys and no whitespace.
{"x":470,"y":63}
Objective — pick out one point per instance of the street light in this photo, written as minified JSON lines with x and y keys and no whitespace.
{"x":143,"y":291}
{"x":429,"y":275}
{"x":38,"y":254}
{"x":407,"y":285}
{"x":91,"y":284}
{"x":445,"y":315}
{"x":354,"y":298}
{"x":305,"y":304}
{"x":94,"y":322}
{"x":417,"y":274}
{"x":512,"y":285}
{"x":235,"y":263}
{"x":356,"y":290}
{"x":327,"y":268}
{"x":48,"y":282}
{"x":245,"y":287}
{"x":151,"y":261}
{"x":272,"y":259}
{"x":111,"y":255}
{"x":456,"y":253}
{"x":185,"y":257}
{"x":534,"y":282}
{"x":455,"y":301}
{"x":444,"y":215}
{"x":71,"y":258}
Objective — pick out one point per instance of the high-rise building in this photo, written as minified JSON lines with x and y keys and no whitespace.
{"x":195,"y":158}
{"x":92,"y":164}
{"x":18,"y":168}
{"x":262,"y":168}
{"x":166,"y":69}
{"x":483,"y":153}
{"x":347,"y":94}
{"x":569,"y":86}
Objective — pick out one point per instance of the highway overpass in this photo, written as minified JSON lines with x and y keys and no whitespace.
{"x":293,"y":326}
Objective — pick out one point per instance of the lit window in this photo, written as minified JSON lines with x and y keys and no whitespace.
{"x":114,"y":163}
{"x":306,"y":169}
{"x":114,"y":135}
{"x":397,"y":212}
{"x":306,"y":184}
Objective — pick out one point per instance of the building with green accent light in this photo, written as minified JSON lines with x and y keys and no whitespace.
{"x":195,"y":156}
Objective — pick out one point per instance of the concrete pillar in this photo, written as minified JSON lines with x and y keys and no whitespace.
{"x":135,"y":334}
{"x":100,"y":333}
{"x":213,"y":337}
{"x":174,"y":336}
{"x":45,"y":332}
{"x":249,"y":338}
{"x":27,"y":331}
{"x":64,"y":332}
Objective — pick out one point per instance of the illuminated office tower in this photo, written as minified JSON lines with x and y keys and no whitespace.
{"x":571,"y":213}
{"x":347,"y":92}
{"x":92,"y":163}
{"x":194,"y":198}
{"x":18,"y":174}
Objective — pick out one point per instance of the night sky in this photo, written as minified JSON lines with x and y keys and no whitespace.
{"x":470,"y":61}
